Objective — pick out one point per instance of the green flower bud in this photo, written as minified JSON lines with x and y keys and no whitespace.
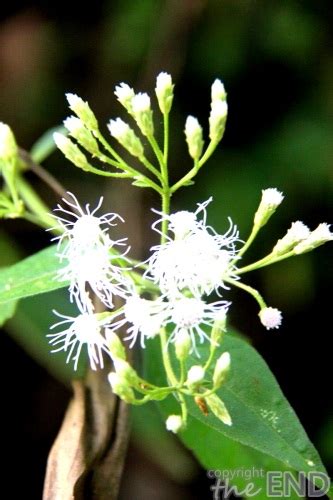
{"x":164,"y":92}
{"x":182,"y":344}
{"x":126,"y":137}
{"x":84,"y":137}
{"x":8,"y":146}
{"x":143,"y":114}
{"x":296,"y":233}
{"x":121,"y":388}
{"x":193,"y":134}
{"x":83,"y":111}
{"x":71,"y":151}
{"x":219,"y":409}
{"x":126,"y":372}
{"x":270,"y":200}
{"x":221,"y":370}
{"x":318,"y":237}
{"x":115,"y":345}
{"x":217,"y":120}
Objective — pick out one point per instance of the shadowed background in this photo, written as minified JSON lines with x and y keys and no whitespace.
{"x":276,"y":61}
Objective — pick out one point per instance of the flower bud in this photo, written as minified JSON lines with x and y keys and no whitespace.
{"x":126,"y":137}
{"x":270,"y":200}
{"x":182,"y":344}
{"x":219,"y":326}
{"x":164,"y":92}
{"x":217,"y":120}
{"x":125,"y":94}
{"x":8,"y":146}
{"x":193,"y":134}
{"x":116,"y":348}
{"x":71,"y":151}
{"x":270,"y":317}
{"x":318,"y":237}
{"x":195,"y":375}
{"x":83,"y":111}
{"x":221,"y":370}
{"x":219,"y":409}
{"x":174,"y":423}
{"x":295,"y":234}
{"x":143,"y":114}
{"x":121,"y":388}
{"x":218,"y":92}
{"x":125,"y":371}
{"x":84,"y":137}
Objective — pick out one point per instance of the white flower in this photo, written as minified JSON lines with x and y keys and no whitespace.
{"x":83,"y":111}
{"x":270,"y":317}
{"x":145,"y":316}
{"x":84,"y":330}
{"x":193,"y":314}
{"x":124,"y":94}
{"x":218,"y":92}
{"x":163,"y":82}
{"x":85,"y":247}
{"x":82,"y":228}
{"x":197,"y":259}
{"x":174,"y":423}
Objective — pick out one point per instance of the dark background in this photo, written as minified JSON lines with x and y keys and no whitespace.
{"x":276,"y":61}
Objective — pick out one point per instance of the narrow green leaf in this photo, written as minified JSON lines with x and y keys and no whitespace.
{"x":45,"y":145}
{"x":31,"y":276}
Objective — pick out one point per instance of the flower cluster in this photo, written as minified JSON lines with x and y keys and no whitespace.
{"x":174,"y":297}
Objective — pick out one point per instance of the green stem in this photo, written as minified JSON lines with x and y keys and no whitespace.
{"x":255,"y":294}
{"x":166,"y":211}
{"x":155,"y":147}
{"x":35,"y":204}
{"x":166,"y":359}
{"x":265,"y":261}
{"x":151,"y":168}
{"x":166,"y":138}
{"x":248,"y":243}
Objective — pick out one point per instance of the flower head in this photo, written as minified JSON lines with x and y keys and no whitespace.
{"x":164,"y":91}
{"x":84,"y":330}
{"x":125,"y":94}
{"x":218,"y":92}
{"x":270,"y":317}
{"x":174,"y":423}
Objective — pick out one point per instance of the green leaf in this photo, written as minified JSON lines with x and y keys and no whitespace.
{"x":9,"y":253}
{"x":31,"y":276}
{"x":262,"y":417}
{"x":45,"y":145}
{"x":7,"y":310}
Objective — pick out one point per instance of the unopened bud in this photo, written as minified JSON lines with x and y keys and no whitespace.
{"x":164,"y":92}
{"x":195,"y":375}
{"x":218,"y":92}
{"x":295,"y":234}
{"x":193,"y":134}
{"x":71,"y":151}
{"x":221,"y":370}
{"x":318,"y":237}
{"x":121,"y":388}
{"x":218,"y":408}
{"x":182,"y":344}
{"x":83,"y":111}
{"x":8,"y":146}
{"x":125,"y":94}
{"x":125,"y":371}
{"x":84,"y":137}
{"x":126,"y":137}
{"x":143,"y":114}
{"x":116,"y":348}
{"x":217,"y":120}
{"x":270,"y":200}
{"x":174,"y":423}
{"x":219,"y":326}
